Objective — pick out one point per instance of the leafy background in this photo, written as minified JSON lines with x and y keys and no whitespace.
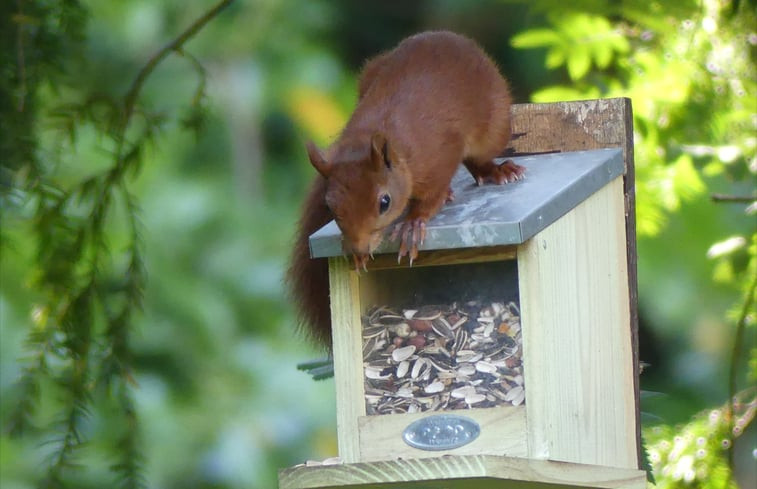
{"x":146,"y":338}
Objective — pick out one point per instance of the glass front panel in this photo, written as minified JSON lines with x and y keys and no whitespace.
{"x":442,"y":338}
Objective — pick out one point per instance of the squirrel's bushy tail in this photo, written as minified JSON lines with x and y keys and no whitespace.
{"x":308,"y":279}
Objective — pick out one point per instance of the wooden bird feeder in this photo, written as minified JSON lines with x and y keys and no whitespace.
{"x":506,"y":356}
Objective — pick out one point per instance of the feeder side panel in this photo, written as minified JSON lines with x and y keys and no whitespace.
{"x":347,"y":344}
{"x":578,"y":360}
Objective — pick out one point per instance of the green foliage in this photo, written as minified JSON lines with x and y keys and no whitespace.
{"x":577,"y":41}
{"x":108,"y":394}
{"x":188,"y":379}
{"x":88,"y":292}
{"x":680,"y":66}
{"x":695,"y":454}
{"x":689,"y":71}
{"x":35,"y":37}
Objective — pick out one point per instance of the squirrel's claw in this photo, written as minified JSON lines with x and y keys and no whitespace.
{"x":508,"y":171}
{"x":412,"y":234}
{"x":360,"y":261}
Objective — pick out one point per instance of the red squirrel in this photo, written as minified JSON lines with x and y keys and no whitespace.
{"x":433,"y":102}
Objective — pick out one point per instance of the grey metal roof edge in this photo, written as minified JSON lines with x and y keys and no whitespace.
{"x":438,"y":238}
{"x":568,"y":198}
{"x":322,"y":243}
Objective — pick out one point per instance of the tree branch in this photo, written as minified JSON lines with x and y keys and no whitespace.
{"x":175,"y":45}
{"x":732,"y":198}
{"x":737,"y":344}
{"x":80,"y":306}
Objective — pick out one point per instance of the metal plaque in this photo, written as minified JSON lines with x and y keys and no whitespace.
{"x":441,"y":432}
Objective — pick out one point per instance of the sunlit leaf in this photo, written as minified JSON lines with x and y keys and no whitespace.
{"x":619,"y":42}
{"x":723,"y":272}
{"x":712,"y":169}
{"x":555,"y":58}
{"x":602,"y":55}
{"x":535,"y":38}
{"x":579,"y":62}
{"x":649,"y":218}
{"x":686,"y":180}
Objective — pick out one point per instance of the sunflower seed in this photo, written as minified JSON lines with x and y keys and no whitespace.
{"x":403,"y":353}
{"x":402,"y":368}
{"x":434,"y":387}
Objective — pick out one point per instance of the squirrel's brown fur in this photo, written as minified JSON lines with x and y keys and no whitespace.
{"x":308,"y":279}
{"x":431,"y":103}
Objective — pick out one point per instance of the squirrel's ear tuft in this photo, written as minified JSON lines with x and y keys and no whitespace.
{"x":317,"y":159}
{"x":380,"y":152}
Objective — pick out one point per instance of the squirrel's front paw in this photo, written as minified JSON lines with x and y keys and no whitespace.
{"x":412,"y":233}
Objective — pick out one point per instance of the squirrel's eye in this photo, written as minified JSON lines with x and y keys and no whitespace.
{"x":384,"y":202}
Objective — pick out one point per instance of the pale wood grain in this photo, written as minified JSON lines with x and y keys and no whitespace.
{"x":581,"y":125}
{"x":577,"y":351}
{"x":503,"y":432}
{"x":348,"y":356}
{"x":461,"y":472}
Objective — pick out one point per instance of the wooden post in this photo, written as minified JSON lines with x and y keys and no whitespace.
{"x":347,"y":339}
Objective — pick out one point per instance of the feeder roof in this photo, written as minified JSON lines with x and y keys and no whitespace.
{"x":509,"y":214}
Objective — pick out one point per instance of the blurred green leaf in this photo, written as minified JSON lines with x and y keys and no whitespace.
{"x":577,"y":40}
{"x":535,"y":38}
{"x":686,"y":180}
{"x":579,"y":62}
{"x":555,"y":58}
